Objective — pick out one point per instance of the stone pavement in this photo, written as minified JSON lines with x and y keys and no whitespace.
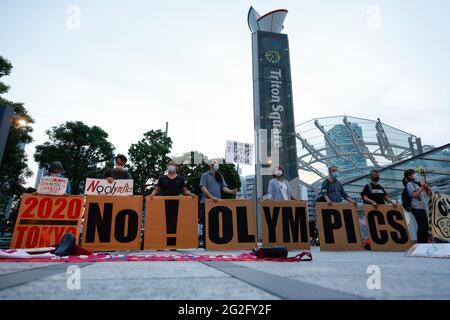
{"x":331,"y":275}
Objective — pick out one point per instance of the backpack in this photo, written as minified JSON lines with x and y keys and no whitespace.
{"x":406,"y":200}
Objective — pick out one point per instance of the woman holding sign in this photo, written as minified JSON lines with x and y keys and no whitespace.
{"x":279,"y":188}
{"x":414,"y":191}
{"x":171,"y":184}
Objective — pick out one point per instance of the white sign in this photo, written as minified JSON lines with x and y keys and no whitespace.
{"x":103,"y":187}
{"x":52,"y":185}
{"x":430,"y":250}
{"x":239,"y":152}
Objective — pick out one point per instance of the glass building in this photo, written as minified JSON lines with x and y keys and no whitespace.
{"x":354,"y":145}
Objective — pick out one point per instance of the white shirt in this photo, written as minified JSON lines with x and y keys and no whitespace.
{"x":284,"y":189}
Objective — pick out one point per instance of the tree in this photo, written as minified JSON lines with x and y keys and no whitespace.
{"x":231,"y":177}
{"x":148,"y":159}
{"x":82,"y":150}
{"x":14,"y":169}
{"x":191,"y":166}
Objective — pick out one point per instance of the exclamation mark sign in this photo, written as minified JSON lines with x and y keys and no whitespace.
{"x":171,"y":220}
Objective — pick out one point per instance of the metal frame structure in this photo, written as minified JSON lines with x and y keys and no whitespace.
{"x":380,"y":151}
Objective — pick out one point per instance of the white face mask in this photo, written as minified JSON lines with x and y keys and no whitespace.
{"x":278,"y":173}
{"x":414,"y":176}
{"x":171,"y":169}
{"x":216,"y":166}
{"x":119,"y":167}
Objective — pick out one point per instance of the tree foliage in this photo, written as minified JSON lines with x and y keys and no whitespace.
{"x":148,"y":158}
{"x":82,"y":150}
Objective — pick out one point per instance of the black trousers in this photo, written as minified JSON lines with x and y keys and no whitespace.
{"x":201,"y":220}
{"x":422,"y":224}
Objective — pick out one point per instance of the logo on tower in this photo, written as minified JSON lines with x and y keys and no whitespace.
{"x":273,"y":56}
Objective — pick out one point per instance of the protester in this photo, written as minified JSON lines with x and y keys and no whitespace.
{"x":118,"y":173}
{"x":374,"y":193}
{"x":56,"y":170}
{"x":212,"y":184}
{"x":414,"y":192}
{"x":332,"y":190}
{"x":279,"y":188}
{"x":171,"y":184}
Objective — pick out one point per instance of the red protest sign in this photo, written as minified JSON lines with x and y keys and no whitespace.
{"x":43,"y":220}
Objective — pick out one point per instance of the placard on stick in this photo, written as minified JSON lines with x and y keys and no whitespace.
{"x":230,"y":225}
{"x":171,"y":223}
{"x":112,"y":223}
{"x":285,"y":223}
{"x":387,"y":228}
{"x":43,"y":219}
{"x":338,"y":227}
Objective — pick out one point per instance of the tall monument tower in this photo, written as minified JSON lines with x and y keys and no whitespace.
{"x":272,"y":100}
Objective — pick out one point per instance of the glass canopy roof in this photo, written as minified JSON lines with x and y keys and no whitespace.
{"x":352,"y":144}
{"x":435,"y":163}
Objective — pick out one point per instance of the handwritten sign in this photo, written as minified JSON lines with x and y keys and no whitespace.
{"x":101,"y":187}
{"x":52,"y":185}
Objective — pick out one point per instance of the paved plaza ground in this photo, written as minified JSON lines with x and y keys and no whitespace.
{"x":331,"y":275}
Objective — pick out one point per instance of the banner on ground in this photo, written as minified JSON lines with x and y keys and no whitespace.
{"x":171,"y":223}
{"x":230,"y":225}
{"x":103,"y":187}
{"x":338,"y":227}
{"x":43,"y":219}
{"x":440,"y":216}
{"x":285,"y":223}
{"x":112,"y":223}
{"x":52,"y":185}
{"x":387,"y":228}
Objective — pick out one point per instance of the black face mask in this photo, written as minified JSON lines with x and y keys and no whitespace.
{"x":375,"y":179}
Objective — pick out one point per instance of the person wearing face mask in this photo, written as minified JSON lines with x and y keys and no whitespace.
{"x":332,"y":190}
{"x":212,"y":185}
{"x":279,"y":188}
{"x":118,"y":173}
{"x":415,"y":190}
{"x":56,"y":170}
{"x":374,"y":193}
{"x":171,"y":184}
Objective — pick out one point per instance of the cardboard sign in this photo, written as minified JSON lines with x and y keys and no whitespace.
{"x":103,"y":187}
{"x":440,"y":216}
{"x":112,"y":223}
{"x":43,"y":220}
{"x":171,"y":223}
{"x":387,"y":228}
{"x":285,"y":223}
{"x":230,"y":225}
{"x":338,"y":227}
{"x":52,"y":185}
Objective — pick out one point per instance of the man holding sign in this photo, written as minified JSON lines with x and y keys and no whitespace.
{"x":118,"y":173}
{"x":374,"y":193}
{"x":171,"y":184}
{"x":212,"y":183}
{"x":332,"y":190}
